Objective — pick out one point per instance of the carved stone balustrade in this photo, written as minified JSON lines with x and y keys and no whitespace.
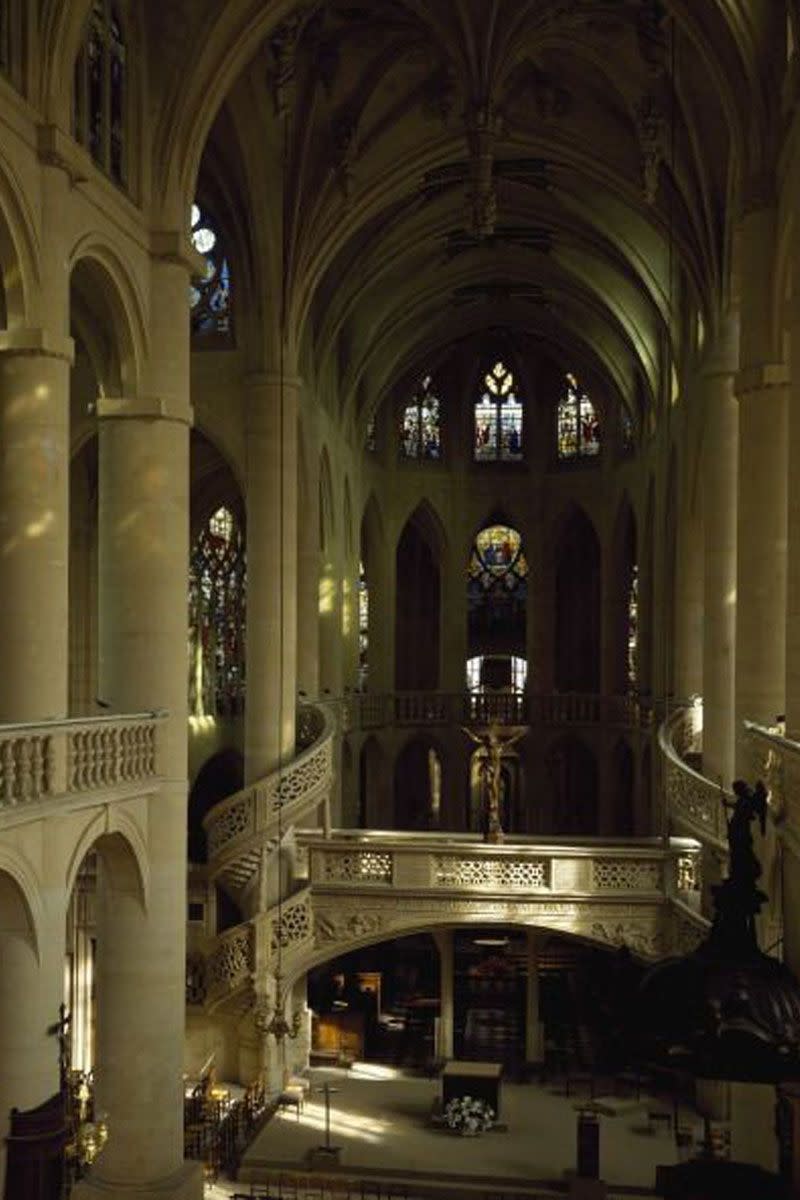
{"x":694,"y":803}
{"x":231,"y":964}
{"x":239,"y":826}
{"x":376,"y":711}
{"x":76,"y":756}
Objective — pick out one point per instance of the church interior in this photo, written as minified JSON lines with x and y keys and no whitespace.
{"x":400,"y":597}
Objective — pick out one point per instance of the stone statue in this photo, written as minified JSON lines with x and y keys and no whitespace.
{"x":495,"y":742}
{"x":749,"y":804}
{"x":738,"y":898}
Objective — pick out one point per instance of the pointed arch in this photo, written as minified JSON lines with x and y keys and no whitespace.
{"x":572,"y":771}
{"x":418,"y":591}
{"x":327,"y":522}
{"x":624,"y":584}
{"x":577,"y":613}
{"x":102,"y":284}
{"x":498,"y":410}
{"x":347,"y":518}
{"x":418,"y":784}
{"x":623,"y":776}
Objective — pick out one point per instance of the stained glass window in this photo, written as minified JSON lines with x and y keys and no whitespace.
{"x":420,"y":434}
{"x":578,"y":426}
{"x":371,"y":444}
{"x":496,"y":671}
{"x":633,"y":625}
{"x":210,"y":297}
{"x":496,"y":584}
{"x":363,"y":627}
{"x":217,"y":578}
{"x":498,"y":418}
{"x":100,"y":90}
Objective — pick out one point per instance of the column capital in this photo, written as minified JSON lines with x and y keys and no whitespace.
{"x":174,"y":246}
{"x":263,"y":391}
{"x":267,"y":381}
{"x":152,"y":408}
{"x":37,"y":342}
{"x":760,"y":378}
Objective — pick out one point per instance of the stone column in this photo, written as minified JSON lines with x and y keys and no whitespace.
{"x":534,"y":1029}
{"x":31,"y":989}
{"x":308,"y":573}
{"x":689,"y":566}
{"x":444,"y":1040}
{"x":453,"y":671}
{"x":719,"y":584}
{"x":271,"y":573}
{"x":34,"y":523}
{"x":761,"y":388}
{"x":143,"y":577}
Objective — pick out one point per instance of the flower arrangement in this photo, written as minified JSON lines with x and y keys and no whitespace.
{"x":468,"y":1115}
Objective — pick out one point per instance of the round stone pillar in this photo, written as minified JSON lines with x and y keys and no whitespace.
{"x":30,"y":992}
{"x":143,"y":567}
{"x":761,"y":388}
{"x":444,"y":1030}
{"x":34,"y":524}
{"x":534,"y":1029}
{"x":271,"y":573}
{"x":761,"y":551}
{"x":308,"y":573}
{"x":719,"y":583}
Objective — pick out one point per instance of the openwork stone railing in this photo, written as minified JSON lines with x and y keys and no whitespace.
{"x":55,"y":758}
{"x":694,"y":803}
{"x":351,"y":861}
{"x":293,"y":791}
{"x":370,"y":711}
{"x":232,"y":962}
{"x":292,"y":925}
{"x":365,"y":886}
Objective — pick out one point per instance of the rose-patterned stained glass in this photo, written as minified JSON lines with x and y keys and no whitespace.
{"x":632,"y":625}
{"x":420,"y":432}
{"x":497,"y":562}
{"x":209,"y":297}
{"x":217,"y":580}
{"x":363,"y":627}
{"x":578,"y":427}
{"x":498,"y":418}
{"x":99,"y":95}
{"x":496,"y":585}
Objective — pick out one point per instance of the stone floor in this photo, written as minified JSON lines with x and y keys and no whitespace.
{"x":381,"y":1119}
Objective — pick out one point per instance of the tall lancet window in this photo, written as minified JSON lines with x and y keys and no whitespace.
{"x":632,"y":626}
{"x":363,"y":627}
{"x":210,"y":297}
{"x":498,"y":417}
{"x":100,"y":99}
{"x":578,"y":428}
{"x":217,"y":577}
{"x":420,"y":432}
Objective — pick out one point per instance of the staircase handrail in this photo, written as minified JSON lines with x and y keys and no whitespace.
{"x":295,"y":789}
{"x":693,"y":801}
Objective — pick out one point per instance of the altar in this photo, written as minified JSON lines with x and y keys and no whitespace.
{"x":478,"y":1079}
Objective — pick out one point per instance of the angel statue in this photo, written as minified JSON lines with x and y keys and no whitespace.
{"x":495,"y":744}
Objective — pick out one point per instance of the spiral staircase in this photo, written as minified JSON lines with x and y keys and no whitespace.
{"x":340,"y":889}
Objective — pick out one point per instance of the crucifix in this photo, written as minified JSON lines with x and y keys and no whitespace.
{"x":495,"y":740}
{"x":327,"y":1090}
{"x":62,"y":1030}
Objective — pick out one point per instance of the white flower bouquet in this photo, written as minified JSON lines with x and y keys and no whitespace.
{"x":468,"y":1115}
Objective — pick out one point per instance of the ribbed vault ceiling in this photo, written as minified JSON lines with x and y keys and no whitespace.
{"x":569,"y":168}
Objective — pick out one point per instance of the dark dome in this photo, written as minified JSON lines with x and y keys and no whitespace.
{"x":722,"y":1017}
{"x":727,"y":1010}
